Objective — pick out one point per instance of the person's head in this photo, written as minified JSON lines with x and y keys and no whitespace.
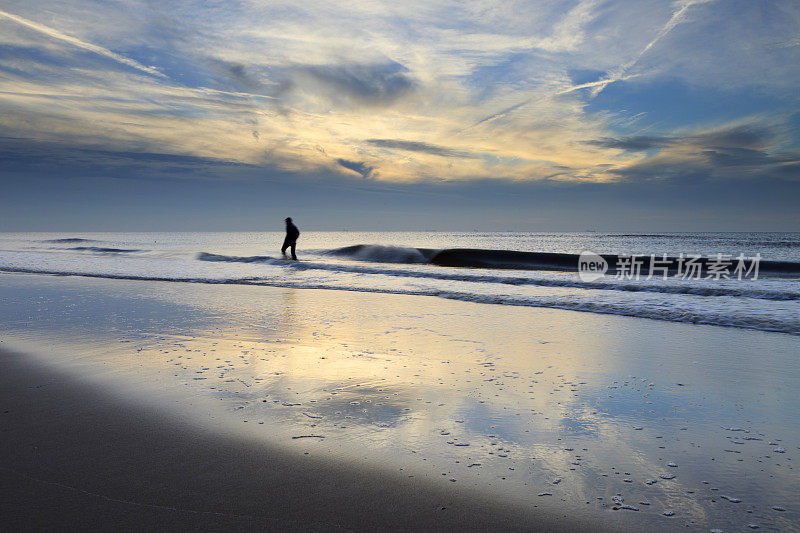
{"x":288,"y":220}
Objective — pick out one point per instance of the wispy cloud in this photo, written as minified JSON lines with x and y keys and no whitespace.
{"x":55,"y":34}
{"x":351,"y":84}
{"x":634,"y":144}
{"x":417,"y":146}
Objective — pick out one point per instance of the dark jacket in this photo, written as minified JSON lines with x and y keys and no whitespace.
{"x":292,"y":233}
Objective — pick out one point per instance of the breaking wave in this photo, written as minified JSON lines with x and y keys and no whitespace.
{"x":69,"y":240}
{"x":511,"y":259}
{"x":384,"y":254}
{"x":475,"y":276}
{"x":104,"y":250}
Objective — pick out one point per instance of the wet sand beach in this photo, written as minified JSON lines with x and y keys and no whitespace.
{"x":160,"y":405}
{"x":75,"y":457}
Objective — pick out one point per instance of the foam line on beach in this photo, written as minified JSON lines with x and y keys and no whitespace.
{"x":672,"y":314}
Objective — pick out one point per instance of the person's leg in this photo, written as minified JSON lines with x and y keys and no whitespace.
{"x":285,"y":246}
{"x":294,"y":255}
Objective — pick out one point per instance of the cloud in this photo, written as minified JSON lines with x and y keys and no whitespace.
{"x":734,"y":137}
{"x":633,"y":144}
{"x":418,"y":146}
{"x":55,"y":34}
{"x":486,"y":91}
{"x":360,"y":84}
{"x":359,"y":167}
{"x":734,"y":152}
{"x":242,"y":77}
{"x":737,"y":136}
{"x":65,"y":160}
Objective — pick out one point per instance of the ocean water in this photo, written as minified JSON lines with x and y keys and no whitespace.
{"x":406,"y":263}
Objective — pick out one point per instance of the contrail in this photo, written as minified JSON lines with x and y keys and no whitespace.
{"x":55,"y":34}
{"x":502,"y":113}
{"x":673,"y":21}
{"x":595,"y":84}
{"x":619,"y":75}
{"x":506,"y":111}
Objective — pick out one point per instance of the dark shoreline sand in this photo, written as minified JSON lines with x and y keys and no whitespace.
{"x":74,"y":457}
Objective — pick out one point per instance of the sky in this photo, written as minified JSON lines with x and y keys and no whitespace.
{"x":534,"y":115}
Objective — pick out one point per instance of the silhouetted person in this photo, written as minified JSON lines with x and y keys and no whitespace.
{"x":292,"y":233}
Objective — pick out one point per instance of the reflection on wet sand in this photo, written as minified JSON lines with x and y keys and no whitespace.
{"x":577,"y":412}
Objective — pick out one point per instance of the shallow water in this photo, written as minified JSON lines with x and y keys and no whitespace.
{"x":682,"y":424}
{"x":393,"y":263}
